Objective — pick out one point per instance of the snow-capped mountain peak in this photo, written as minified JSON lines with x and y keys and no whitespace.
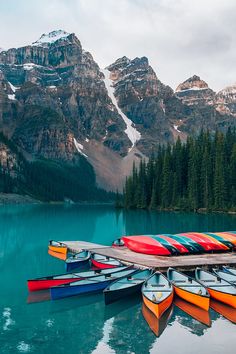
{"x":51,"y":37}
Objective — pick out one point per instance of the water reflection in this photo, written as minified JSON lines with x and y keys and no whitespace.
{"x":195,"y":312}
{"x":157,"y":325}
{"x":224,"y":310}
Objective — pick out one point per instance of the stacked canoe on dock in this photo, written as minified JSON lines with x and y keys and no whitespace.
{"x":179,"y":244}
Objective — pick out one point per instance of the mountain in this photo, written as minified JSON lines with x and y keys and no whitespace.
{"x":57,"y":107}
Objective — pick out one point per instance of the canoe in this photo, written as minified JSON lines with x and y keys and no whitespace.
{"x":89,"y":285}
{"x":224,"y":310}
{"x":157,"y":293}
{"x":127,"y":286}
{"x":176,"y":244}
{"x":104,"y":262}
{"x":228,"y":236}
{"x":222,"y":240}
{"x":157,"y":325}
{"x":145,"y":244}
{"x":194,"y":311}
{"x":118,"y":243}
{"x":185,"y":242}
{"x":172,"y":249}
{"x":218,"y":288}
{"x":229,"y":270}
{"x":212,"y":242}
{"x":199,"y":248}
{"x":57,"y":255}
{"x":189,"y":289}
{"x":231,"y":278}
{"x":56,"y":246}
{"x":44,"y":283}
{"x":77,"y":260}
{"x":206,"y":243}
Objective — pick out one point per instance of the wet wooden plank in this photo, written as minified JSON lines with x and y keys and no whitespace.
{"x":159,"y":262}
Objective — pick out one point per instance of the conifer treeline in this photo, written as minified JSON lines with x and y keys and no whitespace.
{"x":200,"y":173}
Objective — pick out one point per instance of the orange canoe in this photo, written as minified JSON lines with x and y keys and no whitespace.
{"x":189,"y":289}
{"x":157,"y":294}
{"x":57,"y":247}
{"x":194,"y":311}
{"x":218,"y":288}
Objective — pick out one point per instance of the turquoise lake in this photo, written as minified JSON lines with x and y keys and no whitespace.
{"x":84,"y":324}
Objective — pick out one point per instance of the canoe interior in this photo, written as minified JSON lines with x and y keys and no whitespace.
{"x":186,"y":283}
{"x":136,"y":278}
{"x":215,"y":283}
{"x":157,"y":288}
{"x":102,"y":278}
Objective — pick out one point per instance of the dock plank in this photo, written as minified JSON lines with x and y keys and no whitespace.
{"x":161,"y":263}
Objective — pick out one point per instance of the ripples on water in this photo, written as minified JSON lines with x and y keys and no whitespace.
{"x":85,"y":324}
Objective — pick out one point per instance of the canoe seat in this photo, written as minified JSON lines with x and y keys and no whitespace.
{"x":220,"y":285}
{"x":192,"y":285}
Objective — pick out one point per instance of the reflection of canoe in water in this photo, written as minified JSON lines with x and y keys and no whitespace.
{"x":224,"y":310}
{"x":122,"y":305}
{"x":157,"y":294}
{"x":157,"y":325}
{"x":38,"y":297}
{"x":58,"y":255}
{"x":218,"y":288}
{"x":194,"y":311}
{"x":189,"y":289}
{"x":56,"y":246}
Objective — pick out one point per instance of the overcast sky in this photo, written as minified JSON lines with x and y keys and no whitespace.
{"x":180,"y":37}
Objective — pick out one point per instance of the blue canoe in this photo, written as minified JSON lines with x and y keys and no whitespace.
{"x":77,"y":260}
{"x":93,"y":284}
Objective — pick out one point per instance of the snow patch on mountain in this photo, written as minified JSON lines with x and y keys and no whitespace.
{"x":13,"y":88}
{"x":194,"y":88}
{"x":176,"y":128}
{"x":51,"y":37}
{"x":79,"y":148}
{"x":132,"y":133}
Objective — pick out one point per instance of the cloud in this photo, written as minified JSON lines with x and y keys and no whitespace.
{"x":180,"y":38}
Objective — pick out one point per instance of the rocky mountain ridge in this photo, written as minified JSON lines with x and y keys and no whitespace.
{"x":57,"y":104}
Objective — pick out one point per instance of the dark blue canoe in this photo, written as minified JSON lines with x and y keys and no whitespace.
{"x":126,"y":286}
{"x":93,"y":284}
{"x":77,"y":260}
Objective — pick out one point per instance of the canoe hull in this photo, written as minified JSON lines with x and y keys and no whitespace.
{"x":67,"y":291}
{"x":58,"y":249}
{"x":37,"y":285}
{"x":196,"y":299}
{"x":223,"y":297}
{"x":146,"y":245}
{"x":158,"y":308}
{"x":101,"y":265}
{"x":77,"y":264}
{"x":111,"y":296}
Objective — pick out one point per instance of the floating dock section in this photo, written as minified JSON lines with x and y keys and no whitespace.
{"x":162,"y":263}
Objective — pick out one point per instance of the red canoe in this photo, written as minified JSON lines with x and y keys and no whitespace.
{"x":145,"y":244}
{"x":207,"y":244}
{"x":104,"y":262}
{"x":176,"y":244}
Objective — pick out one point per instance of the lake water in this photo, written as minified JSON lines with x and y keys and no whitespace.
{"x":84,"y":324}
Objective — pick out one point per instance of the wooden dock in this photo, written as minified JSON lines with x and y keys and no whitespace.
{"x":162,"y":263}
